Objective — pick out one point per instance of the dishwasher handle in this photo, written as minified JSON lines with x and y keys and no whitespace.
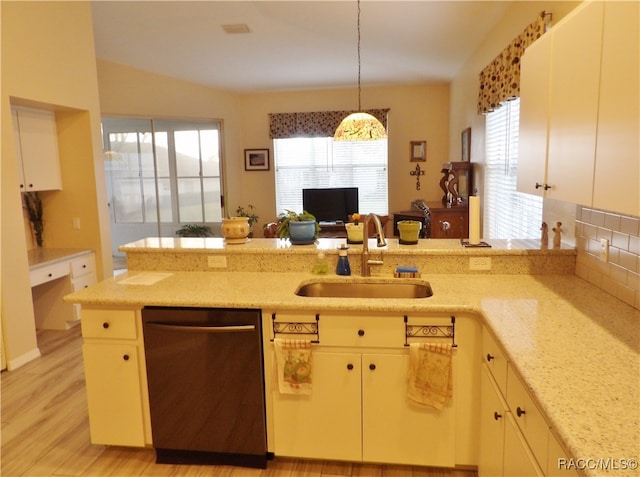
{"x":202,"y":329}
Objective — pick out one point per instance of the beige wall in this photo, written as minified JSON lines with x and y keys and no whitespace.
{"x":48,"y":61}
{"x":418,"y":112}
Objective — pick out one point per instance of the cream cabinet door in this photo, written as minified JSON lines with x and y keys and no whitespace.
{"x":535,"y":78}
{"x":492,"y":418}
{"x":396,"y":430}
{"x":617,"y":172}
{"x":573,"y":104}
{"x":325,"y":424}
{"x":37,"y":146}
{"x":518,"y":459}
{"x":113,"y":394}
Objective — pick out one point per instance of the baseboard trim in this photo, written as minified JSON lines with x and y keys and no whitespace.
{"x":23,"y":359}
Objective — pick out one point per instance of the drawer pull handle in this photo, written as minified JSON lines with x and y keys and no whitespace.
{"x":489,"y":357}
{"x":360,"y":332}
{"x":126,"y":357}
{"x":84,"y":266}
{"x":520,"y":411}
{"x":105,"y":325}
{"x":372,"y":367}
{"x":50,"y":275}
{"x":349,"y":366}
{"x":497,"y":416}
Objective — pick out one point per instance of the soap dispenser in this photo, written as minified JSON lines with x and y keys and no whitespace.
{"x":343,"y":267}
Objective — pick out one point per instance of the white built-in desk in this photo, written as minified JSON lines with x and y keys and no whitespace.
{"x":56,"y":272}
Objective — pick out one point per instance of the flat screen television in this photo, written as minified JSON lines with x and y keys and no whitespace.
{"x":331,"y":205}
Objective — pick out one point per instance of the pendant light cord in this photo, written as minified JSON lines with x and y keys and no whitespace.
{"x":359,"y":105}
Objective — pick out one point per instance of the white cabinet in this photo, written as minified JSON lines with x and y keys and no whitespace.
{"x":617,"y":172}
{"x":36,"y":149}
{"x":326,"y":424}
{"x":116,"y":380}
{"x":535,"y":77}
{"x":83,"y":275}
{"x":579,"y":115}
{"x":515,"y":439}
{"x":561,"y":73}
{"x":359,"y":409}
{"x":396,"y":430}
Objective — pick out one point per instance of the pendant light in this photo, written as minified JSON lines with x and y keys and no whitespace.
{"x":359,"y":126}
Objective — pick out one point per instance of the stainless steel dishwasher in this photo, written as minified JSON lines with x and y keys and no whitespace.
{"x":206,"y":385}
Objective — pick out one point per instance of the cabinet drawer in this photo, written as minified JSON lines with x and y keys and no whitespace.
{"x":48,"y":273}
{"x":495,"y":359}
{"x":83,"y":265}
{"x":83,"y":281}
{"x":527,"y":416}
{"x":109,"y":324}
{"x":350,"y":331}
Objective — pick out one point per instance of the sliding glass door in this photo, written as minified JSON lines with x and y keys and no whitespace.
{"x":161,"y":175}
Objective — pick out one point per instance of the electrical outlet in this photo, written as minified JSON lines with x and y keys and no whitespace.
{"x":604,"y":250}
{"x":217,"y":261}
{"x":76,"y":223}
{"x":480,"y":263}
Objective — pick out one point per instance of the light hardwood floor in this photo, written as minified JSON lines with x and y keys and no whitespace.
{"x":45,"y":430}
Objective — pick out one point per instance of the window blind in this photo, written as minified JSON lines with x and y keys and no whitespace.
{"x":508,"y":214}
{"x":321,"y":162}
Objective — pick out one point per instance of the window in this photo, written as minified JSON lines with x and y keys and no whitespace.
{"x":321,"y":162}
{"x":508,"y":214}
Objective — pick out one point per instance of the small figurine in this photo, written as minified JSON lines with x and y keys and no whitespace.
{"x":544,"y":239}
{"x":557,"y":235}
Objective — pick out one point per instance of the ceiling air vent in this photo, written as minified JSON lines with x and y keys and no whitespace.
{"x":238,"y":28}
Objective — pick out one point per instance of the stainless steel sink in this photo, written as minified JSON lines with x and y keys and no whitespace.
{"x":366,"y":289}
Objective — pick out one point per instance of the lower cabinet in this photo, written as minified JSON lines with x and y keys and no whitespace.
{"x":358,"y":409}
{"x":503,"y":450}
{"x":115,"y":375}
{"x":515,"y":439}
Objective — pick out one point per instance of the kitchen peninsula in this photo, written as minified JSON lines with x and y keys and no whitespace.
{"x":574,"y":348}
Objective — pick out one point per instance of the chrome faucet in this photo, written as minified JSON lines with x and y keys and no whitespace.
{"x":366,"y":262}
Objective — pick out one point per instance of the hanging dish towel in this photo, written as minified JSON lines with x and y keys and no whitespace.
{"x":293,"y":358}
{"x":430,"y":374}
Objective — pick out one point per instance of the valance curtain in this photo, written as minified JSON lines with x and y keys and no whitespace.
{"x":500,"y":79}
{"x":314,"y":124}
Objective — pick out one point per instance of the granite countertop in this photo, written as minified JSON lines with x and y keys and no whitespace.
{"x":576,"y":347}
{"x":42,"y":256}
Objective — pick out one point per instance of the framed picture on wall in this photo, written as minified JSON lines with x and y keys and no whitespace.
{"x":256,"y":159}
{"x":418,"y":151}
{"x":466,"y":144}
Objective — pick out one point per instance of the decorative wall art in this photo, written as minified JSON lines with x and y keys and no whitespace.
{"x":418,"y":151}
{"x":256,"y":159}
{"x":466,"y":144}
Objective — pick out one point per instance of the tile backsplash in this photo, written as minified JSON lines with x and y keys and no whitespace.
{"x":621,"y":275}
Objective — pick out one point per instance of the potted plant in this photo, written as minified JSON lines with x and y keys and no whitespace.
{"x":194,"y":230}
{"x":250,"y":214}
{"x":355,"y":229}
{"x":299,"y":228}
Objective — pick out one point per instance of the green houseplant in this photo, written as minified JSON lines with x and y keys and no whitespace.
{"x":248,"y":212}
{"x":292,"y":220}
{"x":194,"y":230}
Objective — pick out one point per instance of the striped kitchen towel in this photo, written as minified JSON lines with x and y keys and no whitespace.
{"x":294,"y":365}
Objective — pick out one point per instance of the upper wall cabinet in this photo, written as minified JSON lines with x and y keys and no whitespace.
{"x":36,"y":149}
{"x":617,"y":172}
{"x":560,"y":81}
{"x":579,"y":109}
